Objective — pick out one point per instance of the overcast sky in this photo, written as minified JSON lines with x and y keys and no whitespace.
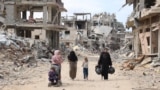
{"x":98,"y":6}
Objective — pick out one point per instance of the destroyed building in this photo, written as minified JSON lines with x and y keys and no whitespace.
{"x":93,"y":32}
{"x":18,"y":17}
{"x":78,"y":27}
{"x":144,"y":22}
{"x":107,"y":30}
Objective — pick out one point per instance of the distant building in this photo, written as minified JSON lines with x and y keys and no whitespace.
{"x":111,"y":31}
{"x":101,"y":30}
{"x":77,"y":29}
{"x":18,"y":17}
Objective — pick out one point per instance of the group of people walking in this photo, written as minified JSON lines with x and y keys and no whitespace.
{"x":55,"y":71}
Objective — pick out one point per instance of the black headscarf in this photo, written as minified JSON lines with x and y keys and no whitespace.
{"x":105,"y":59}
{"x":72,"y":56}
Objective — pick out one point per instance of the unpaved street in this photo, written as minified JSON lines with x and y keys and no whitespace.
{"x":36,"y":78}
{"x":39,"y":82}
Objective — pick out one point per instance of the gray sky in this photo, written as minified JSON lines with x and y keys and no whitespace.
{"x":98,"y":6}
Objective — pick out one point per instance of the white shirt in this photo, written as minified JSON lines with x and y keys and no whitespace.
{"x":85,"y":64}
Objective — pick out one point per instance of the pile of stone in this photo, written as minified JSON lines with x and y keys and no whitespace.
{"x":123,"y":53}
{"x":127,"y":57}
{"x":17,"y":55}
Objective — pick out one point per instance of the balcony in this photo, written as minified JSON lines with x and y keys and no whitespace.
{"x":36,"y":24}
{"x":33,"y":2}
{"x":146,"y":13}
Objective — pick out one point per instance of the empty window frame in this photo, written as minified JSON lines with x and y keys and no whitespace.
{"x":149,"y":3}
{"x":148,"y":41}
{"x":67,"y":32}
{"x":147,"y":29}
{"x":36,"y":36}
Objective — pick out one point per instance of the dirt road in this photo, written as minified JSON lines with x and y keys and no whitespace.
{"x":40,"y":80}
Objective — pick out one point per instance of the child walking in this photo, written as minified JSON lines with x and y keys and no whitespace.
{"x":85,"y":68}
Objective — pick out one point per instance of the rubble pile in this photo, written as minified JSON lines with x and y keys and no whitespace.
{"x":17,"y":56}
{"x":127,"y":57}
{"x":123,"y":53}
{"x":141,"y":61}
{"x":130,"y":64}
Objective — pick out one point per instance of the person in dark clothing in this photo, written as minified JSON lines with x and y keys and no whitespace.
{"x":72,"y":58}
{"x":53,"y":77}
{"x":105,"y":62}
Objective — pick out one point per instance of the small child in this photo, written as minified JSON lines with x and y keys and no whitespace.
{"x":53,"y":77}
{"x":85,"y":68}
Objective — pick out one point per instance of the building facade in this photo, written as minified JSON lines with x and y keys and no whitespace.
{"x":19,"y":16}
{"x":144,"y":21}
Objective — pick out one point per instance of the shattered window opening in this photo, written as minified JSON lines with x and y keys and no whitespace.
{"x":36,"y":36}
{"x":67,"y":32}
{"x":149,"y":3}
{"x":147,"y":29}
{"x":141,"y":31}
{"x":148,"y":41}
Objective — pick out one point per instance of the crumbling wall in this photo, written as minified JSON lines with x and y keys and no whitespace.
{"x":145,"y":42}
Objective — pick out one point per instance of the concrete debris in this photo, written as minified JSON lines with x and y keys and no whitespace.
{"x":130,"y":64}
{"x":17,"y":56}
{"x":155,"y":62}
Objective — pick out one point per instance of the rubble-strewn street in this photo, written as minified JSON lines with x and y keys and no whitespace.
{"x":32,"y":31}
{"x":35,"y":78}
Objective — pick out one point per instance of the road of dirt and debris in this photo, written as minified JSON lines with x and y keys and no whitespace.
{"x":24,"y":64}
{"x":35,"y":77}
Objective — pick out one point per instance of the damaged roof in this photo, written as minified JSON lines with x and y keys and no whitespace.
{"x":103,"y":30}
{"x":129,"y":2}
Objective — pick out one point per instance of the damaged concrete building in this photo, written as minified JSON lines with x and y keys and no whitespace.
{"x":109,"y":32}
{"x":145,"y":21}
{"x":18,"y":17}
{"x":78,"y":27}
{"x":93,"y":32}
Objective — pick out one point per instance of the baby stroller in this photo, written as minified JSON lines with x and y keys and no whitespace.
{"x":53,"y":77}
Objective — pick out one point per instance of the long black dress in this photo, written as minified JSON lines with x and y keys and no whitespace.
{"x":72,"y":64}
{"x":105,"y":62}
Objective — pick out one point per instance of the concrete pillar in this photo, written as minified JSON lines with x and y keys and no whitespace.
{"x":151,"y":49}
{"x":57,"y":39}
{"x":159,"y":44}
{"x":159,"y":41}
{"x":49,"y":37}
{"x":83,"y":17}
{"x":18,"y":15}
{"x":44,"y":14}
{"x":59,"y":18}
{"x":49,"y":14}
{"x":137,"y":42}
{"x":54,"y":40}
{"x":86,"y":25}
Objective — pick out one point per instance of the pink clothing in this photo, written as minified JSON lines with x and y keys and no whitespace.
{"x":57,"y":58}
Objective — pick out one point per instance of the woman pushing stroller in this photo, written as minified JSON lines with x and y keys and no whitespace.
{"x":56,"y":64}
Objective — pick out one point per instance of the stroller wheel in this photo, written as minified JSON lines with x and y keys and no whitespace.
{"x":49,"y":84}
